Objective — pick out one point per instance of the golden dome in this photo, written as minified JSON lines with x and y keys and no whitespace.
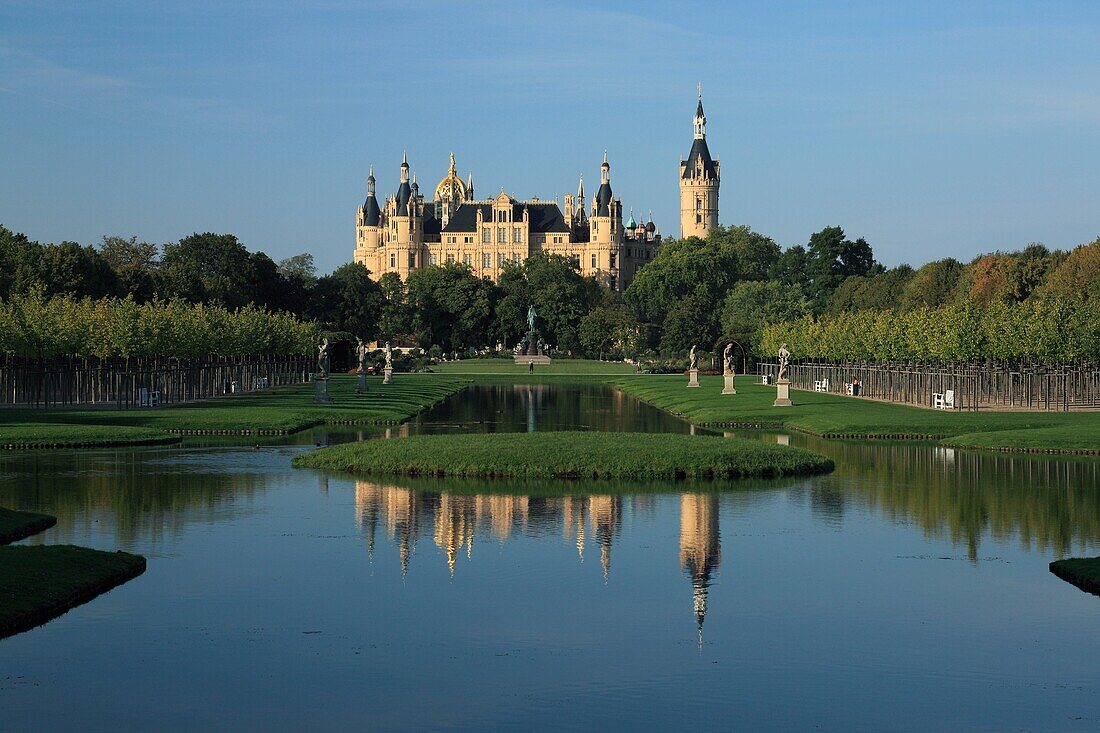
{"x":451,"y":188}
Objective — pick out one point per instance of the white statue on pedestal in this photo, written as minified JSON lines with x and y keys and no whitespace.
{"x":784,"y":357}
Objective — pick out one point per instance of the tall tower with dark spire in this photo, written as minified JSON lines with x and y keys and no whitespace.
{"x":699,"y":178}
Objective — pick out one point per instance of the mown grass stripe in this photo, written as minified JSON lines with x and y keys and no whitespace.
{"x":567,"y":455}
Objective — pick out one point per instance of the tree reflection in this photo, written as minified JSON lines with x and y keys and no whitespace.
{"x":138,"y":495}
{"x":1047,"y":503}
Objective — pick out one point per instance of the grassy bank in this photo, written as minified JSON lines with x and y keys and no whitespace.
{"x":835,"y":416}
{"x":1080,"y":571}
{"x":557,"y":367}
{"x":275,"y":411}
{"x":634,"y":456}
{"x":40,"y":583}
{"x":15,"y":526}
{"x":30,"y":435}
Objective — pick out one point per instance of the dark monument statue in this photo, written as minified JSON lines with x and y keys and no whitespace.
{"x":531,"y":349}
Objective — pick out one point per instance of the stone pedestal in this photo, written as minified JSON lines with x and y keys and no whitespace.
{"x":320,"y":391}
{"x":782,"y":393}
{"x":693,"y":377}
{"x":361,"y":382}
{"x":389,"y":375}
{"x":728,"y":388}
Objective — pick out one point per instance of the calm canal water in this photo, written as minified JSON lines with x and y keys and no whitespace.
{"x":906,"y":591}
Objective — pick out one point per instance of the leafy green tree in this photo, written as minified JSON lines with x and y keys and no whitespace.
{"x":135,"y":265}
{"x":831,"y":258}
{"x":689,"y":271}
{"x":689,"y":322}
{"x":451,"y":306}
{"x":756,"y":253}
{"x":792,"y":267}
{"x":560,"y":294}
{"x":610,"y":329}
{"x":299,"y":266}
{"x":510,"y":316}
{"x":349,"y":300}
{"x":209,"y":267}
{"x":70,"y":269}
{"x":397,"y":315}
{"x":1077,"y":277}
{"x":881,"y":291}
{"x":752,"y":305}
{"x":932,"y":284}
{"x":19,"y":259}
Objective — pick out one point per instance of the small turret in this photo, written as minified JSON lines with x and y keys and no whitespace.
{"x":404,"y":190}
{"x":371,"y":212}
{"x":604,"y":195}
{"x":700,"y":118}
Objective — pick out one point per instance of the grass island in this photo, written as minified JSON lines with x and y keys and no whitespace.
{"x":15,"y":525}
{"x":38,"y":584}
{"x":568,"y":454}
{"x":1083,"y":572}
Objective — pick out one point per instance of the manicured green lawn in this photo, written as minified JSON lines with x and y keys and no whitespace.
{"x":836,"y":416}
{"x":1083,"y":572}
{"x":636,"y":456}
{"x":68,"y":435}
{"x":278,"y":410}
{"x":555,"y":368}
{"x":41,"y":583}
{"x":14,"y":525}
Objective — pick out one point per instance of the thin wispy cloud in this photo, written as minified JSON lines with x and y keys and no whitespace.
{"x":106,"y":95}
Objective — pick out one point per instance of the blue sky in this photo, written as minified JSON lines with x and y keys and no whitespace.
{"x":930,"y":128}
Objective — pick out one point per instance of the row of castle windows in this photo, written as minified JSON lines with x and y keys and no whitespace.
{"x":487,"y":259}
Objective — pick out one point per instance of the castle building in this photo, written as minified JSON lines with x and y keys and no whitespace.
{"x":410,"y":231}
{"x":699,"y":178}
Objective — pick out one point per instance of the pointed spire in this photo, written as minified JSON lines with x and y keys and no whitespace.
{"x":452,"y":170}
{"x":580,"y":188}
{"x":404,"y":159}
{"x":700,"y":118}
{"x":470,"y":186}
{"x":370,"y":182}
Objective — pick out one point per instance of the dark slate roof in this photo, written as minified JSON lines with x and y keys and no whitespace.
{"x":371,"y":214}
{"x":699,"y":109}
{"x":603,"y":200}
{"x":431,"y":225}
{"x":404,"y":192}
{"x":699,"y":150}
{"x":544,"y":217}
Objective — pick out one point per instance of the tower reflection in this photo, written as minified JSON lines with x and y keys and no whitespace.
{"x":700,"y":548}
{"x":457,"y":520}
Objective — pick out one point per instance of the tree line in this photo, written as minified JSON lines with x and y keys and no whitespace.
{"x":734,"y":284}
{"x":1045,"y":328}
{"x":37,"y":326}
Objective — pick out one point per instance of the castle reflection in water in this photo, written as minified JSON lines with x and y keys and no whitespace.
{"x":455,"y":521}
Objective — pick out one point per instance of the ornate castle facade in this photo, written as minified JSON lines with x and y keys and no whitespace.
{"x":409,"y":231}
